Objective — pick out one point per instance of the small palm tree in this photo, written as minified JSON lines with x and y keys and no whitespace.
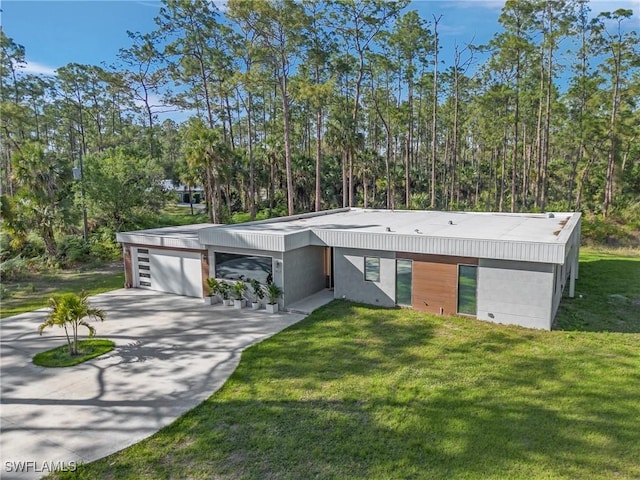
{"x":70,"y":310}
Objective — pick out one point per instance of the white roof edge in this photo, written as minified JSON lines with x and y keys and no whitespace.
{"x":460,"y":246}
{"x":158,"y":241}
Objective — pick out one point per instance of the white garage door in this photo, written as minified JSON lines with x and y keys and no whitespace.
{"x":171,"y":271}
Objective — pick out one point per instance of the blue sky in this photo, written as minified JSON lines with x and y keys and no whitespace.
{"x":55,"y":32}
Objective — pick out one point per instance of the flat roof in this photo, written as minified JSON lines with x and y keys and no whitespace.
{"x":534,"y":237}
{"x":542,"y":227}
{"x":539,"y":237}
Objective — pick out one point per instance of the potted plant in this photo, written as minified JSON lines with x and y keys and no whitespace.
{"x":238,"y":293}
{"x":273,"y":293}
{"x":258,"y":293}
{"x":213,"y":286}
{"x":224,"y":290}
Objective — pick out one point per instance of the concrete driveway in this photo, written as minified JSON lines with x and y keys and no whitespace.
{"x":171,"y":353}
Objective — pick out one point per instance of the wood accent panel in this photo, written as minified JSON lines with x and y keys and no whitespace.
{"x":205,"y":274}
{"x":435,"y":287}
{"x":435,"y":281}
{"x":128,"y":267}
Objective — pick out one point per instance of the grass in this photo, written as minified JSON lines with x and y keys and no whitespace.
{"x":607,"y":293}
{"x":172,"y":215}
{"x":60,"y":356}
{"x":357,"y":392}
{"x":33,"y":292}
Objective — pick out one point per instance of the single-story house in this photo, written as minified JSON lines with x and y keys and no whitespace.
{"x":186,"y":194}
{"x":508,"y":268}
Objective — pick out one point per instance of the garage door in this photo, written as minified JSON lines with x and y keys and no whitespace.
{"x":171,"y":271}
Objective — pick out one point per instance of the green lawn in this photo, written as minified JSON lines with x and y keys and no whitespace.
{"x":607,"y":293}
{"x":34,"y":291}
{"x":357,"y":392}
{"x":60,"y":356}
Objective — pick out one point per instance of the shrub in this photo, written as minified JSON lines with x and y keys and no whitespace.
{"x":5,"y":246}
{"x":103,"y":245}
{"x":33,"y":247}
{"x":14,"y":268}
{"x":603,"y":231}
{"x":72,"y":249}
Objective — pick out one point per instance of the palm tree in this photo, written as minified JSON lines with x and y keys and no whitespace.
{"x":71,"y":309}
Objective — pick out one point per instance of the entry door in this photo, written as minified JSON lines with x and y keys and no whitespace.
{"x":328,"y":267}
{"x":404,"y":284}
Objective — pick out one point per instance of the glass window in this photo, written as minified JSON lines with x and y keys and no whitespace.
{"x":403,"y":281}
{"x":467,"y":285}
{"x":232,"y":266}
{"x":372,"y":269}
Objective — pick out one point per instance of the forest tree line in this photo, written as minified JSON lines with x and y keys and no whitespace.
{"x":307,"y":105}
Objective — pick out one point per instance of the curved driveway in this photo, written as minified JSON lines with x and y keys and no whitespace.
{"x":171,"y":353}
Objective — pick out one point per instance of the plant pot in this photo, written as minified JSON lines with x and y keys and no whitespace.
{"x":238,"y":304}
{"x":212,"y":300}
{"x":228,"y":302}
{"x":255,"y":305}
{"x":271,"y":307}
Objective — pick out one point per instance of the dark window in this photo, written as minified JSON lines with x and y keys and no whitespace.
{"x":403,"y":281}
{"x":143,"y":250}
{"x":233,"y":266}
{"x":143,"y":259}
{"x":145,"y":284}
{"x":145,"y":275}
{"x":144,"y":267}
{"x":372,"y":269}
{"x":467,"y":287}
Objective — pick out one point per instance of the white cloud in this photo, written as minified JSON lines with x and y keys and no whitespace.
{"x":37,"y":69}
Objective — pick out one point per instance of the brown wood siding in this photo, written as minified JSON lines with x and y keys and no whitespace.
{"x":128,"y":267}
{"x":205,"y":273}
{"x":435,"y":281}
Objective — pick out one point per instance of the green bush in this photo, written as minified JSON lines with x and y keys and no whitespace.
{"x":596,"y":230}
{"x":33,"y":247}
{"x":5,"y":246}
{"x":14,"y":268}
{"x":72,"y":249}
{"x":103,"y":245}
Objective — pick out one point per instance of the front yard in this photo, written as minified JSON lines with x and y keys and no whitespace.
{"x":362,"y":392}
{"x":33,"y":291}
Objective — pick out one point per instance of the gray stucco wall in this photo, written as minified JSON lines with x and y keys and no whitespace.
{"x":519,"y":293}
{"x":303,"y":273}
{"x":349,"y":280}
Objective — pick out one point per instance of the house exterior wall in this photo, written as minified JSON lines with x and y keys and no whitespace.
{"x":518,"y":293}
{"x":349,"y":282}
{"x":303,"y":273}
